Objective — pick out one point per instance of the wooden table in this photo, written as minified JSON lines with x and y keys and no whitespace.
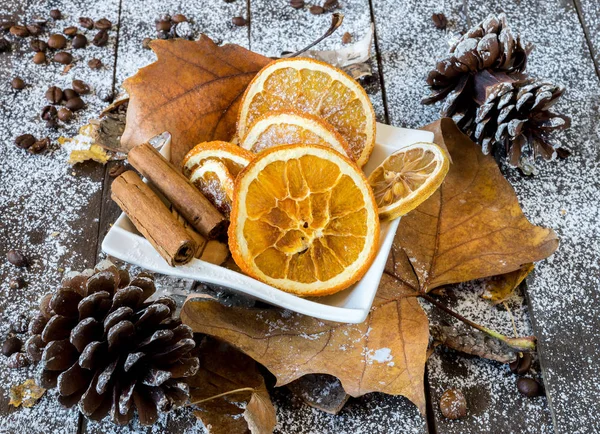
{"x":59,"y":214}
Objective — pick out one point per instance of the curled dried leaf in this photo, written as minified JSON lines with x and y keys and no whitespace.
{"x":26,"y":394}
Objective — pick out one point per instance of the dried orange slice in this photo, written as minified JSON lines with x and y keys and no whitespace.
{"x":304,"y":220}
{"x":213,"y":167}
{"x":290,"y":127}
{"x":407,"y":178}
{"x":317,"y":88}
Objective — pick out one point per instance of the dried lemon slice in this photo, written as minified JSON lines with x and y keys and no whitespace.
{"x":317,"y":88}
{"x":304,"y":220}
{"x":289,"y":128}
{"x":407,"y":178}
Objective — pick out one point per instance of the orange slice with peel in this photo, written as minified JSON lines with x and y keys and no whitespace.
{"x":407,"y":178}
{"x":317,"y":88}
{"x":304,"y":220}
{"x":232,"y":156}
{"x":290,"y":127}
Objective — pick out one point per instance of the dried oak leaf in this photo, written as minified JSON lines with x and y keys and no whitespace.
{"x":472,"y":226}
{"x":386,"y":353}
{"x":26,"y":394}
{"x":193,"y":91}
{"x":499,"y":288}
{"x":224,"y":369}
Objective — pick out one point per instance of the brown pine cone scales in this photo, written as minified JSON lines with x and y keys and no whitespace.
{"x":108,"y":348}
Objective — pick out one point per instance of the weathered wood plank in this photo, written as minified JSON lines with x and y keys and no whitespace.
{"x":589,"y":15}
{"x":409,"y":45}
{"x":564,"y":290}
{"x":48,"y":209}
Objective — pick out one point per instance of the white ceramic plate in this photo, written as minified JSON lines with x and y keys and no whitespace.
{"x":352,"y":305}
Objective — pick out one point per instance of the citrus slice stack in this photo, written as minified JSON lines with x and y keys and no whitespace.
{"x":213,"y":167}
{"x":313,"y":87}
{"x":407,"y":178}
{"x":304,"y":220}
{"x":291,"y":127}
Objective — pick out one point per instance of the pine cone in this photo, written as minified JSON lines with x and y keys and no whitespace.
{"x":515,"y":115}
{"x":105,"y":346}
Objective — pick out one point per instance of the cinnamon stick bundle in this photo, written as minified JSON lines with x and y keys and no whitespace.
{"x":183,"y":195}
{"x":153,"y":219}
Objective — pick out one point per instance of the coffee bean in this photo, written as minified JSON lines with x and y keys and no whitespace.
{"x":146,"y":43}
{"x":19,"y":31}
{"x":42,"y":145}
{"x":453,"y":404}
{"x":39,"y":58}
{"x":81,"y":87}
{"x":51,"y":124}
{"x":529,"y":387}
{"x":17,"y":83}
{"x":86,"y":23}
{"x":37,"y":324}
{"x":330,"y":4}
{"x":11,"y":345}
{"x":63,"y":57}
{"x":23,"y":141}
{"x":75,"y":104}
{"x":163,"y":26}
{"x":34,"y":346}
{"x":239,"y":21}
{"x":316,"y":10}
{"x":79,"y":41}
{"x":103,"y":24}
{"x":161,"y":34}
{"x":522,"y":364}
{"x":6,"y":25}
{"x":54,"y":94}
{"x":17,"y":283}
{"x":116,"y":170}
{"x":65,"y":115}
{"x":35,"y":29}
{"x":16,"y":257}
{"x":69,"y":93}
{"x":101,"y":38}
{"x":38,"y":45}
{"x":55,"y":14}
{"x":18,"y":360}
{"x":439,"y":21}
{"x":49,"y":112}
{"x":4,"y":45}
{"x":297,"y":4}
{"x":179,"y":18}
{"x":57,"y":42}
{"x":163,"y":17}
{"x":70,"y":31}
{"x":95,"y":63}
{"x":347,"y":38}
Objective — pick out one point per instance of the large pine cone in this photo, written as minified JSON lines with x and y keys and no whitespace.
{"x":105,"y":346}
{"x":515,"y":116}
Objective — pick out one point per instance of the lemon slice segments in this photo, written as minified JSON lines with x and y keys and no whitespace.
{"x":407,"y":178}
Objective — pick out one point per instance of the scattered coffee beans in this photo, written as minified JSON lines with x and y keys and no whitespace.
{"x":54,"y":94}
{"x":101,"y":38}
{"x":297,"y":4}
{"x":6,"y":25}
{"x":163,"y":26}
{"x":316,"y":10}
{"x":57,"y":42}
{"x":38,"y":45}
{"x":65,"y":115}
{"x":70,"y":31}
{"x":17,"y":83}
{"x":179,"y":18}
{"x":79,"y":41}
{"x":16,"y":257}
{"x":81,"y":87}
{"x":39,"y":58}
{"x":49,"y":112}
{"x":453,"y":404}
{"x":86,"y":23}
{"x":17,"y":283}
{"x":34,"y":29}
{"x":529,"y":387}
{"x":63,"y":57}
{"x":42,"y":145}
{"x":95,"y":63}
{"x":23,"y":141}
{"x":439,"y":21}
{"x":75,"y":104}
{"x":11,"y":345}
{"x":19,"y":31}
{"x":522,"y":364}
{"x":103,"y":24}
{"x":4,"y":45}
{"x":330,"y":5}
{"x":69,"y":93}
{"x":55,"y":14}
{"x":239,"y":21}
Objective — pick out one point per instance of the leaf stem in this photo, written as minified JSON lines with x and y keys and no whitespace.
{"x":336,"y":21}
{"x":525,"y":343}
{"x":231,"y":392}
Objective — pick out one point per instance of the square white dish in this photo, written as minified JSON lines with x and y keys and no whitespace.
{"x":351,"y":305}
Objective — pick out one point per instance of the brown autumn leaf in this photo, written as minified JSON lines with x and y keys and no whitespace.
{"x":26,"y":394}
{"x":193,"y":91}
{"x":473,"y":226}
{"x":223,"y":369}
{"x":386,"y":353}
{"x":499,"y":288}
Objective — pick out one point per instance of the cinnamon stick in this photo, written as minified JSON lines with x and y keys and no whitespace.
{"x":183,"y":195}
{"x":153,"y":219}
